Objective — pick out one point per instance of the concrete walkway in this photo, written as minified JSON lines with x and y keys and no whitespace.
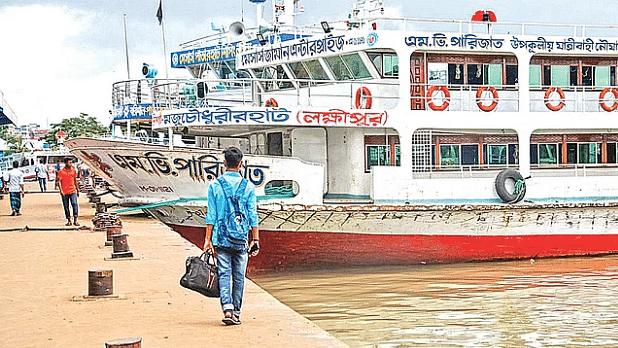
{"x":42,"y":271}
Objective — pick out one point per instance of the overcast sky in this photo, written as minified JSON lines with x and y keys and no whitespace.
{"x":60,"y":57}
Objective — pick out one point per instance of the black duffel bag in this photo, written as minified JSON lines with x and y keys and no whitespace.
{"x":201,"y":275}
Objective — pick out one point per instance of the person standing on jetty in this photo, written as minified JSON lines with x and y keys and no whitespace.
{"x":232,"y":229}
{"x":42,"y":175}
{"x":15,"y":181}
{"x":67,"y":182}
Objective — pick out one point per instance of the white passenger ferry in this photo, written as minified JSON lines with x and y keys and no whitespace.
{"x":377,"y":140}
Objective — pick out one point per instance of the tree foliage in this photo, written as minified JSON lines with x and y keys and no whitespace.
{"x":81,"y":126}
{"x":14,"y":141}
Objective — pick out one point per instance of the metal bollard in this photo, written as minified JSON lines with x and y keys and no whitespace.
{"x":133,"y":342}
{"x":100,"y":282}
{"x":121,"y":246}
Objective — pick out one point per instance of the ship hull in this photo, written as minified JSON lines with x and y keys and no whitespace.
{"x":310,"y":238}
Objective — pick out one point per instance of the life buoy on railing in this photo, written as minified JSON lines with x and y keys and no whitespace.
{"x":606,"y":107}
{"x":271,"y":103}
{"x":363,"y":98}
{"x":548,"y":93}
{"x":445,"y":101}
{"x":519,"y":186}
{"x":494,"y":95}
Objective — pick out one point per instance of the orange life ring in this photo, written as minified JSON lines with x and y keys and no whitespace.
{"x":494,"y":95}
{"x":548,"y":93}
{"x":363,"y":93}
{"x":602,"y":99}
{"x":271,"y":102}
{"x":445,"y":102}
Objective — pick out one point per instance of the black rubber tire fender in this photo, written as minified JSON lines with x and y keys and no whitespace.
{"x":500,"y":183}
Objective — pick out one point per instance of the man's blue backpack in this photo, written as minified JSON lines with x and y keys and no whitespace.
{"x":234,"y":225}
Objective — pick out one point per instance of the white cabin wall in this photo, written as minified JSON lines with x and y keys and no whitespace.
{"x":346,"y":162}
{"x":309,"y":144}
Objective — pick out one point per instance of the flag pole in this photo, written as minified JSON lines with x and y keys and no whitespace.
{"x":126,"y":47}
{"x":164,"y":45}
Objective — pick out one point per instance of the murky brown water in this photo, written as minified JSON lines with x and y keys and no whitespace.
{"x":571,"y":302}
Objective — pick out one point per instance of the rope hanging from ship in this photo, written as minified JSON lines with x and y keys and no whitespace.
{"x":602,"y":101}
{"x":363,"y":98}
{"x":445,"y":101}
{"x":271,"y":103}
{"x":494,"y":96}
{"x":562,"y":99}
{"x":519,"y":189}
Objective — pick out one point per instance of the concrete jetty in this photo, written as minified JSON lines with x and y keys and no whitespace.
{"x":44,"y":279}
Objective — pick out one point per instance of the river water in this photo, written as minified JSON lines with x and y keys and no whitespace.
{"x":568,"y":302}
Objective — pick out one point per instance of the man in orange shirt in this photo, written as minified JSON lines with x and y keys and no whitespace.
{"x":67,"y":180}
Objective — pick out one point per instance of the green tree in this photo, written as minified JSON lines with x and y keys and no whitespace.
{"x":15,"y":141}
{"x":81,"y":126}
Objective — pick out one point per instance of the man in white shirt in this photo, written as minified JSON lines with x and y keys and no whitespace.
{"x":15,"y":180}
{"x":42,"y":175}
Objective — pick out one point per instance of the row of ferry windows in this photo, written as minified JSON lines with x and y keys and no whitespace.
{"x":498,"y":154}
{"x":343,"y":67}
{"x":492,"y":74}
{"x":540,"y":154}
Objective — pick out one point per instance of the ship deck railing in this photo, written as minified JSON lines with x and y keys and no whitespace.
{"x":287,"y":92}
{"x":490,"y":171}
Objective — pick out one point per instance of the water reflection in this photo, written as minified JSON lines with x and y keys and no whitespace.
{"x":544,"y":303}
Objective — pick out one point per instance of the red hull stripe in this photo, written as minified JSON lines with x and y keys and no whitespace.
{"x":282,"y":250}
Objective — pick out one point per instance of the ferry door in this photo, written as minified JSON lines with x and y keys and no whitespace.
{"x":417,"y":81}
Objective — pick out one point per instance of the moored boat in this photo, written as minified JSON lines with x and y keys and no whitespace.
{"x":492,"y":142}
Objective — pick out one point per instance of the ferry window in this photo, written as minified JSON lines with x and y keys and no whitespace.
{"x":470,"y":155}
{"x":512,"y":75}
{"x":513,"y":153}
{"x":475,"y":74}
{"x":548,"y":154}
{"x":535,"y":75}
{"x":534,"y":154}
{"x":387,"y":64}
{"x":378,"y":155}
{"x":376,"y":59}
{"x":612,"y":76}
{"x":281,"y":189}
{"x":496,"y":154}
{"x":571,"y":153}
{"x":356,"y":66}
{"x":299,"y":72}
{"x":437,"y":73}
{"x":315,"y":70}
{"x":587,"y":153}
{"x":573,"y":76}
{"x":561,"y":75}
{"x":587,"y":76}
{"x":492,"y":74}
{"x":601,"y":76}
{"x":611,"y":152}
{"x":391,"y":65}
{"x":339,"y":69}
{"x":546,"y":75}
{"x":397,"y":155}
{"x":449,"y":155}
{"x":455,"y":74}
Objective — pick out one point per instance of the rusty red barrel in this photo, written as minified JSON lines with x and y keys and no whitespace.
{"x":133,"y":342}
{"x":100,"y":282}
{"x":120,"y":243}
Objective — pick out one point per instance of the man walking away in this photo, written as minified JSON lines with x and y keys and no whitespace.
{"x":232,"y":214}
{"x":67,"y":182}
{"x":42,"y":175}
{"x":15,"y":180}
